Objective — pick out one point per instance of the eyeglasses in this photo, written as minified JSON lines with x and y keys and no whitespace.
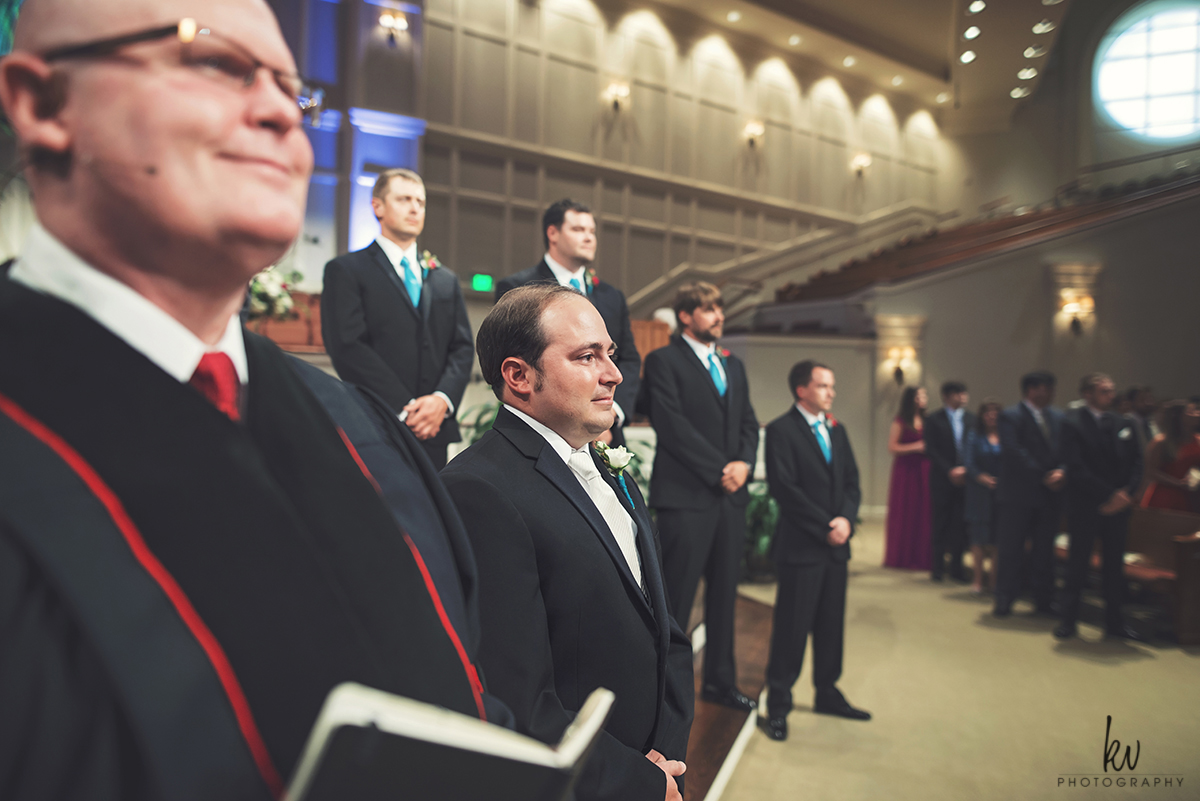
{"x":216,"y":57}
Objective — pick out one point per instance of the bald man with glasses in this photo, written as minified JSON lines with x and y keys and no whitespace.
{"x":192,"y":552}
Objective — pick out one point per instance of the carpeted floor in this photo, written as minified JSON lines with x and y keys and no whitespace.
{"x":968,"y":707}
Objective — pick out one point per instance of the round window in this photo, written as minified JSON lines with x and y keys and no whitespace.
{"x":1147,"y":77}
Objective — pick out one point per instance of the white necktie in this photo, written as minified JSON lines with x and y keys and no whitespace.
{"x":619,"y":522}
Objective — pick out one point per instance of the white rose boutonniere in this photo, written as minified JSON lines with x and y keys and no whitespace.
{"x":1125,"y":433}
{"x":616,"y":460}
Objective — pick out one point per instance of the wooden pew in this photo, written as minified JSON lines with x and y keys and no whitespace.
{"x":1169,"y":544}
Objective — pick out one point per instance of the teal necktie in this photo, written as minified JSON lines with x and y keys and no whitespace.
{"x":820,"y":434}
{"x":715,"y":372}
{"x":412,"y":281}
{"x":578,"y":287}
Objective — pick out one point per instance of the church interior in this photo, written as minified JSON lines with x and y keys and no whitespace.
{"x":909,"y":192}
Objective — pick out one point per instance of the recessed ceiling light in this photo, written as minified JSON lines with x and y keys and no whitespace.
{"x":897,"y":80}
{"x":849,"y":61}
{"x":793,"y":40}
{"x":972,"y":32}
{"x":967,"y":57}
{"x":943,"y":97}
{"x":1029,"y":73}
{"x":733,"y":16}
{"x":1019,"y":92}
{"x":1045,"y":26}
{"x":976,"y":7}
{"x":1035,"y":51}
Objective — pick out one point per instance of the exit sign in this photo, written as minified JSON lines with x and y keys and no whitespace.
{"x":481,"y":282}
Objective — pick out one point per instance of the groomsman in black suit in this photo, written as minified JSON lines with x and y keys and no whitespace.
{"x":1104,"y":468}
{"x":569,"y":232}
{"x":1032,"y":477}
{"x":570,"y":587}
{"x":813,"y":477}
{"x":698,"y":401}
{"x":945,"y":437}
{"x":394,"y":321}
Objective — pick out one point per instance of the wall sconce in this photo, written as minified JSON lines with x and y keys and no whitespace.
{"x":753,"y":133}
{"x":616,"y":96}
{"x":901,"y":357}
{"x":1077,"y":304}
{"x":393,"y":22}
{"x":859,"y":164}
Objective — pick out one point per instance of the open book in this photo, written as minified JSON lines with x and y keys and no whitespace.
{"x":368,"y":745}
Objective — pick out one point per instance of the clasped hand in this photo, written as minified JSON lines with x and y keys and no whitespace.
{"x":839,"y":531}
{"x":671,"y":767}
{"x":734,"y":476}
{"x":1119,"y":502}
{"x":425,"y":415}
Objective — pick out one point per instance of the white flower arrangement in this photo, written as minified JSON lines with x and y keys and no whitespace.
{"x":271,"y":296}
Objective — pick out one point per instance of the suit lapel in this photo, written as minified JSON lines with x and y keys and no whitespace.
{"x":806,"y":433}
{"x":694,"y":360}
{"x":427,"y":292}
{"x":555,"y":470}
{"x":381,"y":261}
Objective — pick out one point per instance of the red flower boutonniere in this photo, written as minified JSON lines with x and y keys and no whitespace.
{"x":429,"y":261}
{"x":592,"y":278}
{"x":724,"y":353}
{"x":830,"y":421}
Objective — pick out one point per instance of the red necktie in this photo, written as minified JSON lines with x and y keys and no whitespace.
{"x":217,"y":379}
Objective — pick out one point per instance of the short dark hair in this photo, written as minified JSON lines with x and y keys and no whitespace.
{"x":1132,"y":393}
{"x":557,"y":212}
{"x":693,"y":295}
{"x":1092,"y":380}
{"x":513,"y":328}
{"x":985,"y":407}
{"x":953,"y":388}
{"x":1038,"y":378}
{"x":801,"y":374}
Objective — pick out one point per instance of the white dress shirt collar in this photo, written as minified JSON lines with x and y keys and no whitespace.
{"x":46,"y":265}
{"x":1035,"y":411}
{"x":563,"y":275}
{"x":811,"y":418}
{"x":560,"y":445}
{"x":394,"y":253}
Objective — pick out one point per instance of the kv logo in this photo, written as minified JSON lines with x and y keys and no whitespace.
{"x":1112,"y":750}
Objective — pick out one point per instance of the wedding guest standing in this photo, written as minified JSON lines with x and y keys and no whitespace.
{"x":907,"y":528}
{"x":945,"y":436}
{"x":1172,"y":455}
{"x":1032,"y":477}
{"x":1104,"y":468}
{"x":813,"y":477}
{"x":982,"y":458}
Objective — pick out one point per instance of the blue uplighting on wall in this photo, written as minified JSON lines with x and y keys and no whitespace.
{"x":381,"y":141}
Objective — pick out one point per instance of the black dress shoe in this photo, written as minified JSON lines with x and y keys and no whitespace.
{"x":732,"y":698}
{"x":1002,"y":609}
{"x":1123,"y":633}
{"x":937,"y":577}
{"x":836,"y":704}
{"x":1065,"y":631}
{"x":774,"y":727}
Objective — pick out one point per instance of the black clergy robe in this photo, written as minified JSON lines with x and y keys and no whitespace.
{"x":252,"y":564}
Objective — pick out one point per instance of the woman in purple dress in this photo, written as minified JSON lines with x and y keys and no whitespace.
{"x":908,"y":494}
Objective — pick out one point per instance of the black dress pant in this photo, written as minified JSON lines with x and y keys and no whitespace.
{"x":949,"y":533}
{"x":810,"y":598}
{"x":1016,"y":524}
{"x":705,"y":543}
{"x":1085,"y":527}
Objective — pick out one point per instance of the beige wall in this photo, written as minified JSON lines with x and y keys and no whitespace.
{"x":513,"y":98}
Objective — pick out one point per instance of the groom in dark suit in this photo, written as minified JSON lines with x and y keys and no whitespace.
{"x":1029,"y":498}
{"x":813,"y":477}
{"x":570,"y":589}
{"x":394,"y":321}
{"x":1104,"y":467}
{"x":945,"y":437}
{"x":698,"y":401}
{"x":569,"y":232}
